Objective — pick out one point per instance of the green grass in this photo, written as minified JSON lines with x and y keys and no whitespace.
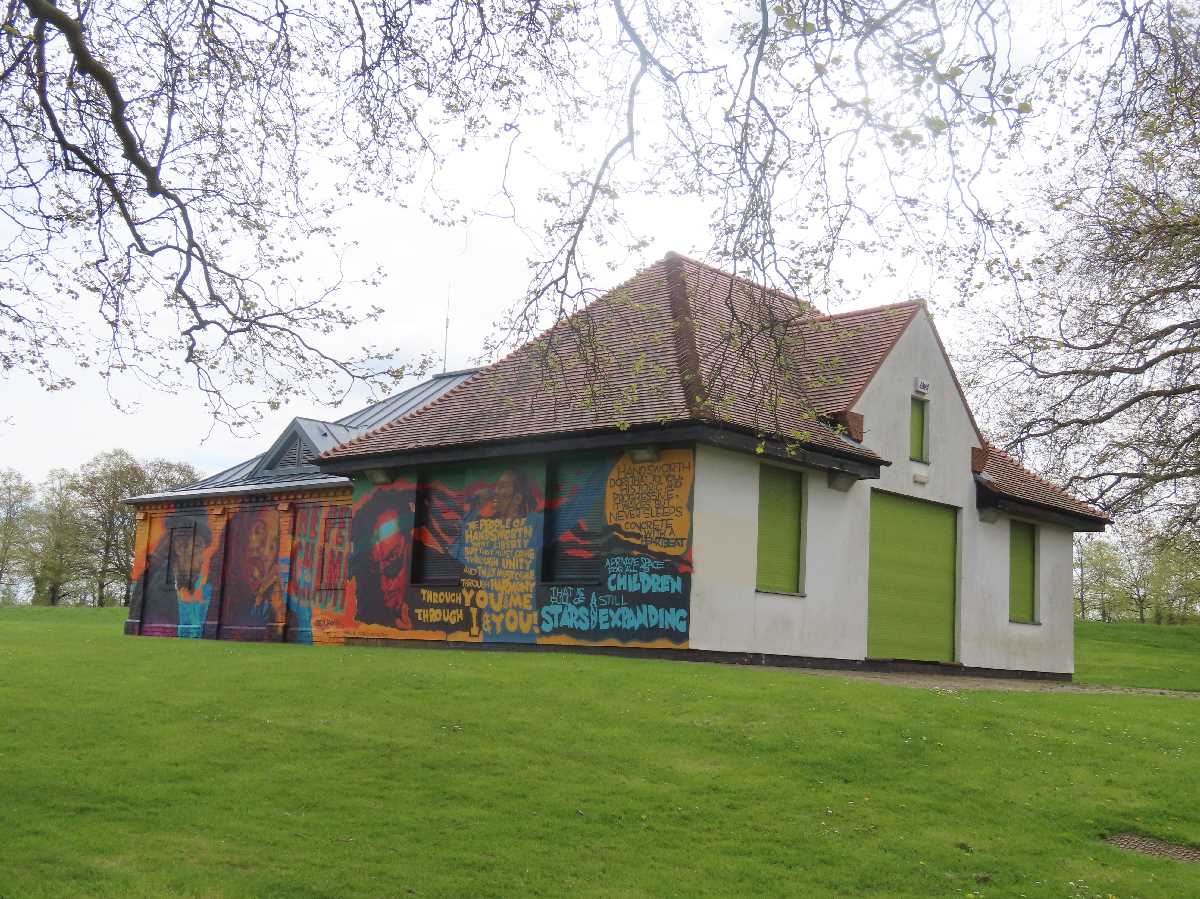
{"x":1138,"y":655}
{"x":151,"y":767}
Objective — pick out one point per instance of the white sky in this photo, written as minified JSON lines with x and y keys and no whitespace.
{"x":481,"y":268}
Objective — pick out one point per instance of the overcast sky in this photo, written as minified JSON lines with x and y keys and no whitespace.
{"x":480,"y":267}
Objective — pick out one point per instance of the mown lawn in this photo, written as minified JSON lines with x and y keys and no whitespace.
{"x":1138,"y":655}
{"x":152,"y":767}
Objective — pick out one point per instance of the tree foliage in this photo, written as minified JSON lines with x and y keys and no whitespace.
{"x":167,"y":162}
{"x":16,"y":501}
{"x":1100,"y":350}
{"x":168,"y":165}
{"x":71,"y":539}
{"x":1137,"y":574}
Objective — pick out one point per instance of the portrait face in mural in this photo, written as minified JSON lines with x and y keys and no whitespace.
{"x":389,"y":552}
{"x":511,"y":496}
{"x":381,"y":557}
{"x":259,"y":557}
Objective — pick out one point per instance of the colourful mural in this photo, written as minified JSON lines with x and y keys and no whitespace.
{"x":175,"y":591}
{"x":593,"y":550}
{"x":315,"y":581}
{"x":251,"y":596}
{"x":239,"y":573}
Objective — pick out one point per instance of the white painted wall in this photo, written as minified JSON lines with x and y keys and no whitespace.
{"x":830,"y":619}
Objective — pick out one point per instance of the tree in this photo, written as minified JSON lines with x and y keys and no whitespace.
{"x":1101,"y":350}
{"x":165,"y":474}
{"x":76,"y":534}
{"x":165,"y":160}
{"x":16,"y":502}
{"x":1175,"y":584}
{"x":1098,"y":576}
{"x":106,"y":524}
{"x":55,"y":557}
{"x":1138,"y":573}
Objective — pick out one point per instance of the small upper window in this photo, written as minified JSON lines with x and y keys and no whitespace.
{"x":918,"y":430}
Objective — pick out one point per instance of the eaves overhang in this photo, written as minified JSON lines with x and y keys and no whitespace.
{"x":988,"y":498}
{"x":330,"y":482}
{"x":716,"y":435}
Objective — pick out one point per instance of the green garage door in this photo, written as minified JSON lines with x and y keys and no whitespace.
{"x":912,"y":578}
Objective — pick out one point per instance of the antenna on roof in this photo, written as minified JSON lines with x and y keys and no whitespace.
{"x":446,"y":338}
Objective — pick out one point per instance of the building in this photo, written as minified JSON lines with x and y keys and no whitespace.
{"x":692,"y":465}
{"x":230,"y":554}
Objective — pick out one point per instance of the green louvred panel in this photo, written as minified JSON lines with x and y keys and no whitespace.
{"x":916,"y":431}
{"x":779,"y":513}
{"x":911,"y":579}
{"x":1021,"y":543}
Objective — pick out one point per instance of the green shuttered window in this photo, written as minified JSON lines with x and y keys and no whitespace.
{"x":780,"y":512}
{"x":1022,"y":542}
{"x":916,"y":431}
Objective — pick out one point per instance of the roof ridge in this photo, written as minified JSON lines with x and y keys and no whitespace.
{"x":882,"y":308}
{"x":684,"y":326}
{"x":741,"y":278}
{"x":387,"y":424}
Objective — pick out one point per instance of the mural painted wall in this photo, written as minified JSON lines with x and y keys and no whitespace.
{"x":592,"y":550}
{"x":315,"y":581}
{"x":239,"y":572}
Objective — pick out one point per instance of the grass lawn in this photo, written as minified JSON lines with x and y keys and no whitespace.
{"x":1138,"y":655}
{"x":152,"y":767}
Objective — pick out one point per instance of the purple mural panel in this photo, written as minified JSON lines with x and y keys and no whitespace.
{"x":251,"y":606}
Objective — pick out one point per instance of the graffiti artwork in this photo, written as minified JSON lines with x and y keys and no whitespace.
{"x":176,"y":588}
{"x":591,"y":550}
{"x":594,"y":551}
{"x":251,"y":600}
{"x":381,"y":556}
{"x":316,"y":577}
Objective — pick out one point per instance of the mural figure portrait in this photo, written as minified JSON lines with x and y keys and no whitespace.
{"x":511,"y":496}
{"x":381,"y":558}
{"x":176,"y":590}
{"x":251,"y":592}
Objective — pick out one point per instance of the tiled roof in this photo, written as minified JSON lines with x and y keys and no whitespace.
{"x":1003,"y":474}
{"x":679,"y":342}
{"x":685,"y":342}
{"x":841,"y":353}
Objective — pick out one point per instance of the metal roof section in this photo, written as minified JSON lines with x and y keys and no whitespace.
{"x":288,"y":464}
{"x":402,"y":403}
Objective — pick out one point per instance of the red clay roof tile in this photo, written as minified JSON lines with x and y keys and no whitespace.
{"x":685,"y":342}
{"x":1005,"y":475}
{"x":679,"y":342}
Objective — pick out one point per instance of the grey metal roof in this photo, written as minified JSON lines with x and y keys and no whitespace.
{"x":288,"y":464}
{"x":402,"y":403}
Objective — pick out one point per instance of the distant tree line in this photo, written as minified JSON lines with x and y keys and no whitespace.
{"x":1138,"y":573}
{"x":69,"y":540}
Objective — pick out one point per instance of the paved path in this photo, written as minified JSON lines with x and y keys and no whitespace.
{"x":954,"y":682}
